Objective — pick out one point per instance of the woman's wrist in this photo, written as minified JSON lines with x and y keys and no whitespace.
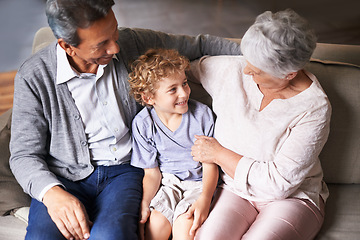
{"x":219,"y":155}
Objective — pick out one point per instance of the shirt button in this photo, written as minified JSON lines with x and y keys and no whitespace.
{"x":84,"y":143}
{"x":114,"y":149}
{"x":77,"y":117}
{"x":105,"y":103}
{"x":116,"y":129}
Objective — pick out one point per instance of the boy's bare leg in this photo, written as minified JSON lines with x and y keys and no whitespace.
{"x":181,"y":228}
{"x":157,"y":227}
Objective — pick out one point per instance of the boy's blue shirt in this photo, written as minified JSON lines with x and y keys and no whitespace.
{"x":154,"y":145}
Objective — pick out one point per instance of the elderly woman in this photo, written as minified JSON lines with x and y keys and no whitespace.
{"x":269,"y":135}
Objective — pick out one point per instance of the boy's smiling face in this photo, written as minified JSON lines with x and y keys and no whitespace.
{"x":171,"y":97}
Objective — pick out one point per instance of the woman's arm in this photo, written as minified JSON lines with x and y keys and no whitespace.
{"x":279,"y":177}
{"x":209,"y":150}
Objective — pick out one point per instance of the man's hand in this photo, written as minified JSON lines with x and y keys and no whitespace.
{"x":68,"y":213}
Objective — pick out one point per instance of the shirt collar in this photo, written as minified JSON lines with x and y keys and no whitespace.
{"x":66,"y":72}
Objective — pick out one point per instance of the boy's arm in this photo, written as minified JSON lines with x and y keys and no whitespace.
{"x":151,"y":184}
{"x":200,"y":209}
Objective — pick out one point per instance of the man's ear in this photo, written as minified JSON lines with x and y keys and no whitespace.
{"x":67,"y":47}
{"x":147,"y":98}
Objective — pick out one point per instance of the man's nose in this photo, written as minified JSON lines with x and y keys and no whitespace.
{"x":113,"y":48}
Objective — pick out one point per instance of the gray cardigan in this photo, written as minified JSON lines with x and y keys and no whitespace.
{"x":47,"y":133}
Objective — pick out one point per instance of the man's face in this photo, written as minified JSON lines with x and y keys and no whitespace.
{"x":97,"y":44}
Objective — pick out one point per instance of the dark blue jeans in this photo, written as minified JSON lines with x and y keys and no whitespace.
{"x":111,"y":196}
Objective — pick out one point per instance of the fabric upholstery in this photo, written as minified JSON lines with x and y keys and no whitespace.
{"x":12,"y":195}
{"x":340,"y":156}
{"x":342,"y":213}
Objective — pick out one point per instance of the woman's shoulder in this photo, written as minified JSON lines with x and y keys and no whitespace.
{"x":221,"y":61}
{"x":315,"y":86}
{"x":314,"y":98}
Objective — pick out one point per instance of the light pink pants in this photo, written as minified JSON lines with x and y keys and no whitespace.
{"x":233,"y":217}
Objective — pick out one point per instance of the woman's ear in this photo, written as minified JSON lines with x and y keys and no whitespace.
{"x":147,"y":98}
{"x":291,"y":76}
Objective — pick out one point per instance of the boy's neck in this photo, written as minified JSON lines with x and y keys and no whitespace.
{"x":171,"y":121}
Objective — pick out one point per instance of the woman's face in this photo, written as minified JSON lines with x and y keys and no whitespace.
{"x":263,"y":79}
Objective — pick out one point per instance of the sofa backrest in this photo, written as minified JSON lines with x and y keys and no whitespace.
{"x":338,"y":69}
{"x":340,"y":157}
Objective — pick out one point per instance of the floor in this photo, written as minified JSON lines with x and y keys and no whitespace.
{"x":334,"y":21}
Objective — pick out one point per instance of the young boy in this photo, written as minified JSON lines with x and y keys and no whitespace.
{"x":177,"y":190}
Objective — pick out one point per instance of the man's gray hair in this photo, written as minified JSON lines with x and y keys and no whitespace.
{"x":279,"y":43}
{"x":66,"y":16}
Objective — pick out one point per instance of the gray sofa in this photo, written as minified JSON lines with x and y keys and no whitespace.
{"x":338,"y":69}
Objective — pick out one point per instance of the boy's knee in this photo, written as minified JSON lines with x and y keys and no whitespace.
{"x":158,"y":226}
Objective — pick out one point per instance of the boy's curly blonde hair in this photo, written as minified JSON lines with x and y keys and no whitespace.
{"x":151,"y":67}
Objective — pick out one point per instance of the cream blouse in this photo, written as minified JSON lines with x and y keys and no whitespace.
{"x":280,"y":144}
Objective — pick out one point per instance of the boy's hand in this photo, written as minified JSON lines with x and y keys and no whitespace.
{"x":199,"y":210}
{"x":144,"y":215}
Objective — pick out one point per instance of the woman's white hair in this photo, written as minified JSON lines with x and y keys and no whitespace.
{"x":279,"y":43}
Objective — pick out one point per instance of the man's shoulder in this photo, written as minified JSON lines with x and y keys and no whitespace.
{"x":43,"y":59}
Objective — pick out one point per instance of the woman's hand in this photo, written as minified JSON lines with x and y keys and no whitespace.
{"x":209,"y":150}
{"x":206,"y":149}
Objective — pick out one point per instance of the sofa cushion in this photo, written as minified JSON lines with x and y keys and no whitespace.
{"x":338,"y":52}
{"x":341,"y":213}
{"x":12,"y":195}
{"x":340,"y":157}
{"x":11,"y":228}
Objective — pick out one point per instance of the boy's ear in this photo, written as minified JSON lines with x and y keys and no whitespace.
{"x":147,"y":98}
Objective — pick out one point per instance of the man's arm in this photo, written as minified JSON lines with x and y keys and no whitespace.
{"x":29,"y":147}
{"x":189,"y":46}
{"x":29,"y":139}
{"x":68,"y":213}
